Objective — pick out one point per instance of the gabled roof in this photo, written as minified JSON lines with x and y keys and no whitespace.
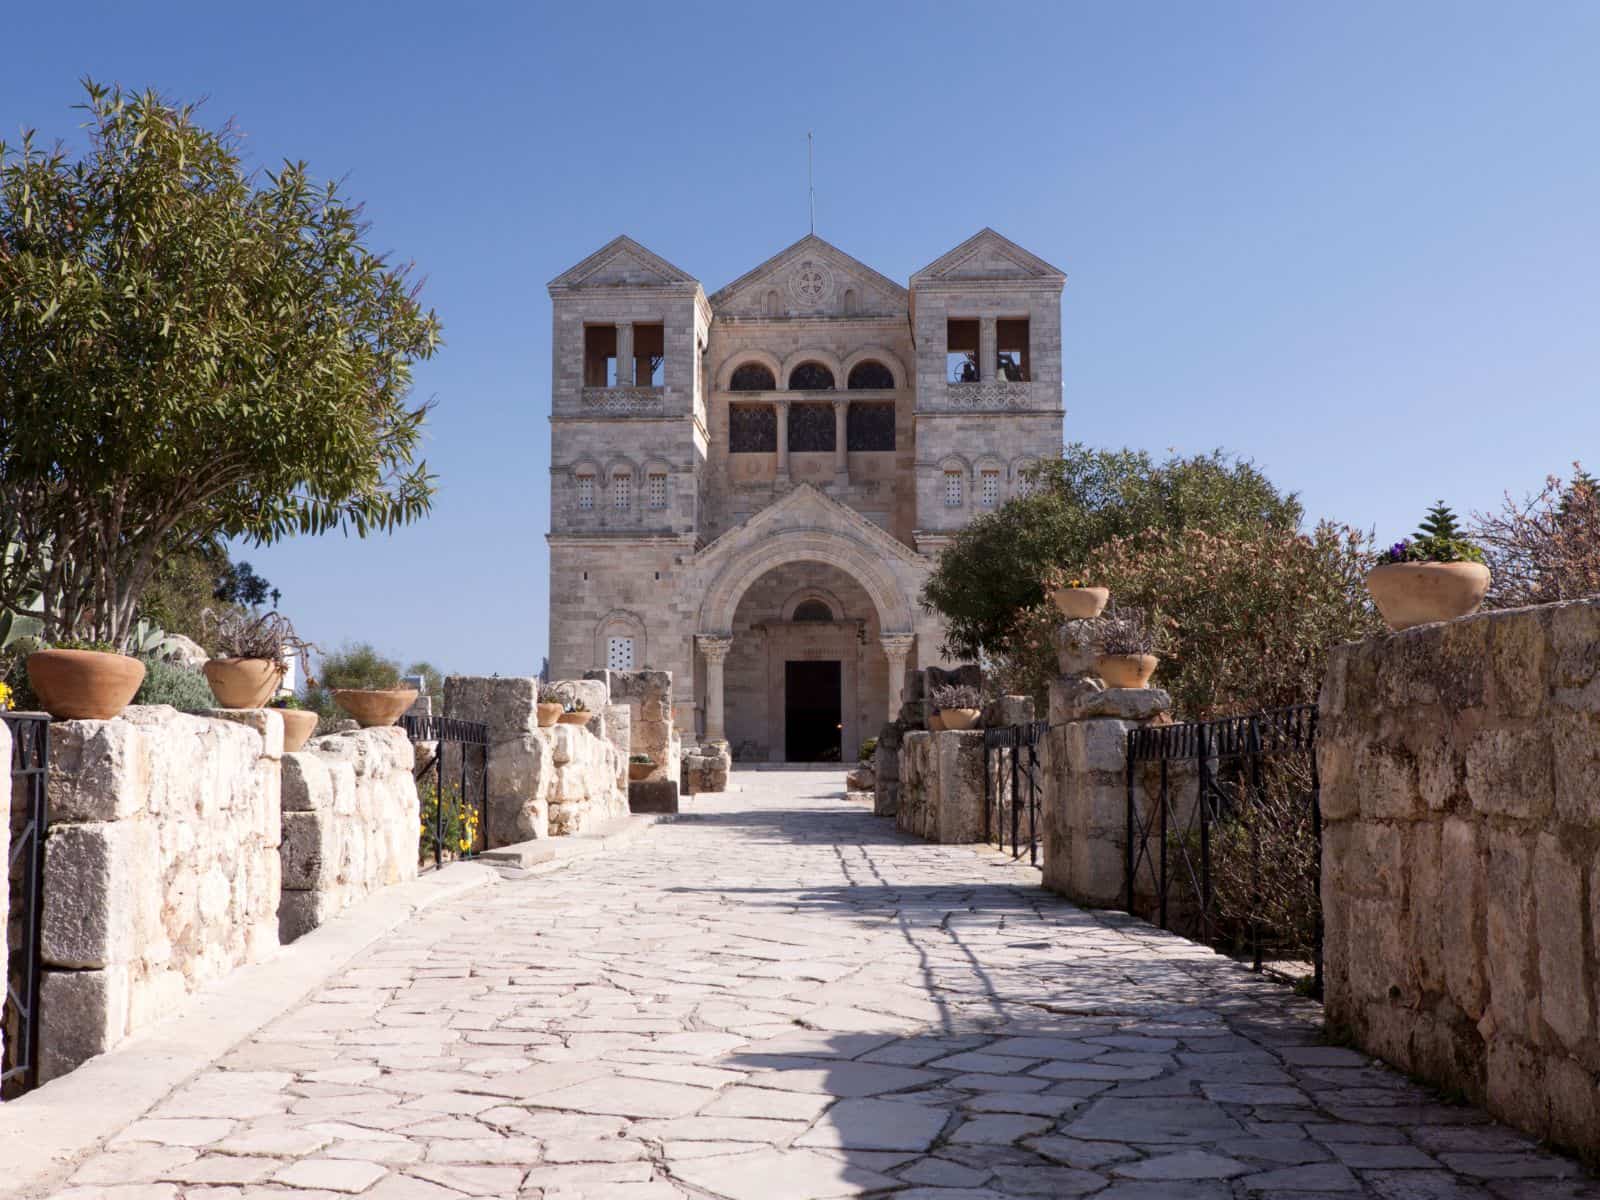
{"x":810,"y":244}
{"x":622,"y":262}
{"x":988,"y":255}
{"x":807,"y":507}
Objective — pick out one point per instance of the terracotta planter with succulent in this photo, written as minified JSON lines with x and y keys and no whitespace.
{"x":252,"y":655}
{"x":577,"y":713}
{"x":84,"y":681}
{"x":1434,"y":575}
{"x":551,"y":704}
{"x":959,"y":705}
{"x":1128,"y":649}
{"x":639,"y":767}
{"x":1072,"y":598}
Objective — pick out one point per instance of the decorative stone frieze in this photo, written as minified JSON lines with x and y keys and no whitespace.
{"x":624,"y":401}
{"x":1460,"y":769}
{"x":995,"y":395}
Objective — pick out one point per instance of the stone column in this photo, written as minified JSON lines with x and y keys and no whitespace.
{"x":897,"y":646}
{"x":782,"y":408}
{"x":841,"y":461}
{"x":988,"y":350}
{"x":625,"y":354}
{"x":715,"y":649}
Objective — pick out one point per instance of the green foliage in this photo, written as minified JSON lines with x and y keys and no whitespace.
{"x":189,"y":352}
{"x":359,"y":666}
{"x":451,"y":824}
{"x":1439,"y":539}
{"x":869,"y":748}
{"x":1546,"y":547}
{"x":1439,"y":525}
{"x":432,"y":677}
{"x":165,"y":683}
{"x":992,"y":573}
{"x":642,"y":759}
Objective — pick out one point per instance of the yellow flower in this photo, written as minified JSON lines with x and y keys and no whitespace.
{"x":6,"y":695}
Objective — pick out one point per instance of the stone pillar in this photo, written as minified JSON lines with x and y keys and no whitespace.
{"x":782,"y":408}
{"x":841,"y":460}
{"x":988,"y":349}
{"x":5,"y":856}
{"x":624,"y":354}
{"x":715,"y":649}
{"x":897,"y":646}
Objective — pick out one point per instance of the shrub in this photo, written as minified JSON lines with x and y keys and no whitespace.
{"x":1545,"y":548}
{"x":165,"y":683}
{"x":1129,"y":631}
{"x":869,"y":750}
{"x":461,"y":824}
{"x":956,"y":695}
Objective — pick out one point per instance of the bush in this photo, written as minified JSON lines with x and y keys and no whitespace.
{"x":460,"y":822}
{"x":869,"y":749}
{"x":164,"y":683}
{"x":1545,"y":548}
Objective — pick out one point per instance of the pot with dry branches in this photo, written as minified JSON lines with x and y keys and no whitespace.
{"x":253,"y":655}
{"x":1128,"y":644}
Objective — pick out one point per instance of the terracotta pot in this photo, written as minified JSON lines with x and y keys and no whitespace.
{"x":1126,"y":670}
{"x":576,"y":718}
{"x":936,"y":722}
{"x":1080,"y":603}
{"x":374,"y":709}
{"x":243,"y":682}
{"x":84,"y":685}
{"x":549,"y":714}
{"x":960,"y":718}
{"x":1410,"y":594}
{"x":637,"y":772}
{"x":298,"y":726}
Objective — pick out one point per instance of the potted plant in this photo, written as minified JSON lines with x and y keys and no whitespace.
{"x":959,"y":705}
{"x":83,"y":681}
{"x":379,"y":699}
{"x":252,"y":655}
{"x":577,"y":713}
{"x":550,"y":706}
{"x":1436,"y":574}
{"x":639,"y":767}
{"x":1128,"y":645}
{"x":1072,"y":599}
{"x":298,"y":723}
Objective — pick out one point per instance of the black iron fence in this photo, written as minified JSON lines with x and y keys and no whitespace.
{"x":1224,"y":829}
{"x":1012,"y":786}
{"x":453,"y":826}
{"x":30,"y":818}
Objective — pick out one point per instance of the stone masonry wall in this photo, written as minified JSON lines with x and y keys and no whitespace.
{"x":5,"y":857}
{"x":941,"y":786}
{"x":350,"y":824}
{"x":1461,"y":859}
{"x":162,"y":869}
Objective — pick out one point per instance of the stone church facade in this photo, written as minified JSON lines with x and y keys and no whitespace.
{"x":749,"y":489}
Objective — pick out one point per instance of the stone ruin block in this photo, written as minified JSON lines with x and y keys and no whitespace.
{"x":653,"y":796}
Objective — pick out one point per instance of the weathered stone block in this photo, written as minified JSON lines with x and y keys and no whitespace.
{"x":267,"y":722}
{"x":653,"y":796}
{"x":84,"y":1013}
{"x":1509,"y":772}
{"x":92,"y":902}
{"x":100,"y":770}
{"x":1565,"y":999}
{"x":305,"y":781}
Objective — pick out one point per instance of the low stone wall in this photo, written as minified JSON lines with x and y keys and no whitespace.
{"x":653,"y":728}
{"x":541,"y":782}
{"x":706,"y":767}
{"x":350,"y":824}
{"x":941,"y":785}
{"x":1460,"y":768}
{"x":162,"y":869}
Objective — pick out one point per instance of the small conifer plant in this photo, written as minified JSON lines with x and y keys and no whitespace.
{"x":1439,"y":539}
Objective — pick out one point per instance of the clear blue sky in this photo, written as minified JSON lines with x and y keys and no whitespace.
{"x":1359,"y":243}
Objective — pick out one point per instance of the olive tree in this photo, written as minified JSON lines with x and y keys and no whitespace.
{"x":189,"y":350}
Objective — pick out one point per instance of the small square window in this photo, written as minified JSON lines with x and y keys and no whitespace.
{"x":586,"y":492}
{"x":619,"y":653}
{"x":989,"y":489}
{"x":657,"y":491}
{"x":952,"y":489}
{"x":621,"y":490}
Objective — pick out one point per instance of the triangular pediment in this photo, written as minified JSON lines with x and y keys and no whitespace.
{"x":806,"y":509}
{"x":622,"y":262}
{"x":988,"y":255}
{"x":811,"y":278}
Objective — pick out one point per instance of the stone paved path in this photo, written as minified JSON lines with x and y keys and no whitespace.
{"x":782,"y":999}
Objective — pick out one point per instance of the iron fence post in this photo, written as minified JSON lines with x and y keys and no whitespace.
{"x":1133,"y":735}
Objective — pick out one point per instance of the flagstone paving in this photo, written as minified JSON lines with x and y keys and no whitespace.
{"x":781,"y":999}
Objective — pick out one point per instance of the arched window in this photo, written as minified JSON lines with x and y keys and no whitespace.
{"x":752,"y":377}
{"x":871,"y":374}
{"x":812,"y":610}
{"x":811,"y":377}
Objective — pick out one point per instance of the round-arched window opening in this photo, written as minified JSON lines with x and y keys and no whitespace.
{"x":752,"y":377}
{"x":812,"y":610}
{"x":811,"y":377}
{"x":871,"y":374}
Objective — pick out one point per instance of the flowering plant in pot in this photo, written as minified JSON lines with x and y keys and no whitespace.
{"x":299,"y":723}
{"x":1436,"y":574}
{"x":959,"y":705}
{"x":1129,"y":642}
{"x":551,"y":704}
{"x":78,"y":680}
{"x":640,"y":766}
{"x":373,"y":695}
{"x":577,"y":712}
{"x":1072,"y":598}
{"x":252,"y":655}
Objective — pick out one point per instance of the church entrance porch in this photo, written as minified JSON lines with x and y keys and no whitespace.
{"x":813,"y":711}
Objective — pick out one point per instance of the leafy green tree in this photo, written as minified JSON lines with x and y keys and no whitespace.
{"x":432,"y":677}
{"x":189,"y":351}
{"x":990,"y":574}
